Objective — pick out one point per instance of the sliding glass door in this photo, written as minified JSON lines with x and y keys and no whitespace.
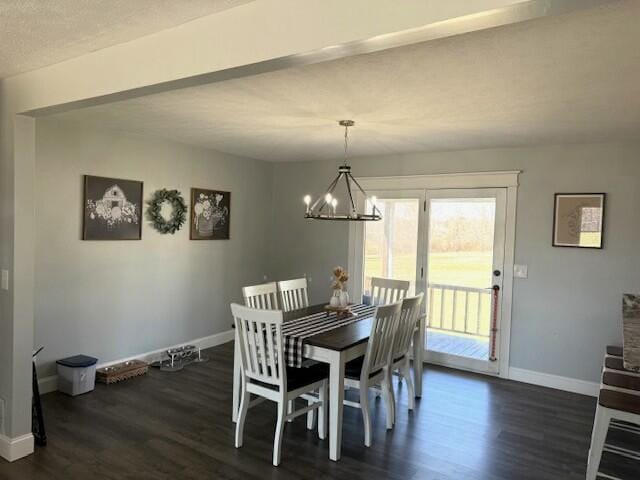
{"x":450,"y":245}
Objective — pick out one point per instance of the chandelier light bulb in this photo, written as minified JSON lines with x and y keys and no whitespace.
{"x":327,"y":198}
{"x":334,"y":203}
{"x":307,"y":200}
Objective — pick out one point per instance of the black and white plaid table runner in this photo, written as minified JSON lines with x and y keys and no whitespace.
{"x":296,"y":331}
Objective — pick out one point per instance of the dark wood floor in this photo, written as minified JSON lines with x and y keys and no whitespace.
{"x":178,"y":426}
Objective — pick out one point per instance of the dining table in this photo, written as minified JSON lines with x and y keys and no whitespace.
{"x":336,"y":347}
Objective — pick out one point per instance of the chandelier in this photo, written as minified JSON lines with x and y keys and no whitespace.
{"x":325,"y":207}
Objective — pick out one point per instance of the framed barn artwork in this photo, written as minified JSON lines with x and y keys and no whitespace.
{"x":578,"y":220}
{"x":210,"y":214}
{"x":112,"y":209}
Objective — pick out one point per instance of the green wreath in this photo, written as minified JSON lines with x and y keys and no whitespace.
{"x":178,"y":215}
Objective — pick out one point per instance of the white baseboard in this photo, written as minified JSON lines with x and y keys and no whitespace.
{"x":554,"y":381}
{"x":12,"y":449}
{"x":50,"y":384}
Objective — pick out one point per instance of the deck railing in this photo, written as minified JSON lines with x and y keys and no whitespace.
{"x":459,"y":309}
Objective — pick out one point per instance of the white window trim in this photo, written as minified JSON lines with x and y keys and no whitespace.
{"x":498,"y":179}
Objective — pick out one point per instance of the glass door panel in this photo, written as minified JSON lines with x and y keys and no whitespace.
{"x":391,"y":245}
{"x":464,"y":248}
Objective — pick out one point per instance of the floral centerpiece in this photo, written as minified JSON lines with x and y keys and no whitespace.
{"x":340,"y":296}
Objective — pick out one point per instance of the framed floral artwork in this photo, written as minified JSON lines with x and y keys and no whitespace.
{"x":210,"y":214}
{"x":112,"y":208}
{"x":578,"y":220}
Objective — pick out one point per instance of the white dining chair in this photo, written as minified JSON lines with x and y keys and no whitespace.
{"x":264,"y":373}
{"x":293,"y":294}
{"x":264,"y":296}
{"x":401,"y":364}
{"x":388,"y":290}
{"x":373,"y":368}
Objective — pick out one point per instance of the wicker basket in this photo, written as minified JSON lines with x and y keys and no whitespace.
{"x":122,"y":371}
{"x":631,"y":331}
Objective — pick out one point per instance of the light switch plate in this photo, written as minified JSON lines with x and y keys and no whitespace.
{"x":4,"y":281}
{"x":520,"y":271}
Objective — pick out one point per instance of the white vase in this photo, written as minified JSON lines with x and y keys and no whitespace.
{"x":335,"y":299}
{"x":344,"y":298}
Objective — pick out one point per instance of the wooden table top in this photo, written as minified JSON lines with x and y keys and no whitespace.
{"x":338,"y":339}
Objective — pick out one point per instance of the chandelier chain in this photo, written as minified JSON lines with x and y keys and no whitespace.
{"x":346,"y":143}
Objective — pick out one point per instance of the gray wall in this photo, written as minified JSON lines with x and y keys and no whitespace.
{"x":569,"y":307}
{"x":114,"y":299}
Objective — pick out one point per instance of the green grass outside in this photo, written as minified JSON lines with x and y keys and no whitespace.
{"x":469,"y":269}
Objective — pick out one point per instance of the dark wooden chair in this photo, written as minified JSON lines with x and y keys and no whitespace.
{"x":619,"y":400}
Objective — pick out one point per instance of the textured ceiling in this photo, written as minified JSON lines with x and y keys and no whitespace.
{"x":36,"y":33}
{"x":564,"y":79}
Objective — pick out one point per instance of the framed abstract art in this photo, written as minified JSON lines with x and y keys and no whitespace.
{"x":578,"y":220}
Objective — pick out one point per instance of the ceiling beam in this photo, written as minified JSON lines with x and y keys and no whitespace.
{"x":259,"y":37}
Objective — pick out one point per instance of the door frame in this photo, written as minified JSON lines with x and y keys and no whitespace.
{"x":471,"y":180}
